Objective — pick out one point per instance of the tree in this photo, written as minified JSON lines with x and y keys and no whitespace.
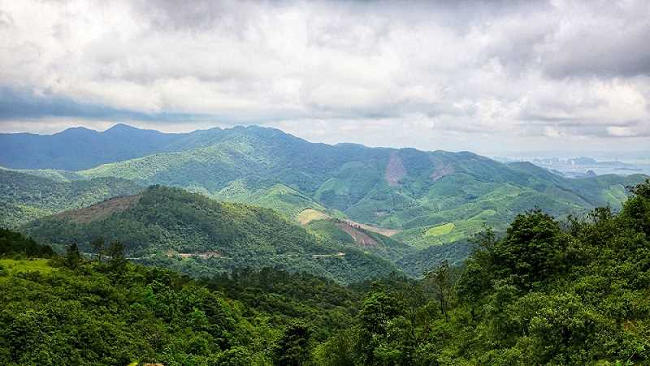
{"x":440,"y":280}
{"x":532,"y":249}
{"x":97,"y":246}
{"x":72,"y":256}
{"x":375,"y":316}
{"x":293,"y":348}
{"x":117,"y":262}
{"x":636,"y":211}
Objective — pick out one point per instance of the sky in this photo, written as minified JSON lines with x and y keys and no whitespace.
{"x":485,"y":76}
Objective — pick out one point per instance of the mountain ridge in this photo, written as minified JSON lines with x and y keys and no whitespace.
{"x":405,"y":189}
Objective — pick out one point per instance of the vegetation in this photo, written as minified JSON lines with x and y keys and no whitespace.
{"x":13,"y":243}
{"x":202,"y":237}
{"x":546,"y":292}
{"x":411,"y":191}
{"x":269,"y":168}
{"x":24,"y":197}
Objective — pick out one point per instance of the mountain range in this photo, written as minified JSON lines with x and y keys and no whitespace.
{"x":344,"y":193}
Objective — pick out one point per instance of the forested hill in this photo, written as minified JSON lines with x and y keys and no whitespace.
{"x":427,"y":197}
{"x":546,"y":293}
{"x":24,"y":197}
{"x":414,"y":192}
{"x":203,"y":237}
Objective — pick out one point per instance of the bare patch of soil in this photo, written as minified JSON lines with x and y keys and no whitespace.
{"x":101,"y":210}
{"x":309,"y":214}
{"x":204,"y":255}
{"x":442,"y":171}
{"x":339,"y":254}
{"x":362,"y":239}
{"x":374,"y":229}
{"x":395,"y":170}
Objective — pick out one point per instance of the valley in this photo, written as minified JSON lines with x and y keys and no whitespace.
{"x":324,"y":183}
{"x":381,"y":207}
{"x":404,"y":194}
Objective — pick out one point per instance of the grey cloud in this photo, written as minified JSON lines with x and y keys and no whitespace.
{"x":459,"y":68}
{"x":22,"y":104}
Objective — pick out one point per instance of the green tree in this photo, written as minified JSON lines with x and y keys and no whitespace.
{"x":440,"y":280}
{"x":98,"y":247}
{"x":72,"y":256}
{"x":378,"y":309}
{"x":532,"y":249}
{"x":117,"y":262}
{"x":293,"y":349}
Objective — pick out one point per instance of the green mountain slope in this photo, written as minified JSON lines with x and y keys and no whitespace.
{"x":349,"y":234}
{"x":202,"y":237}
{"x":407,"y":190}
{"x":24,"y":197}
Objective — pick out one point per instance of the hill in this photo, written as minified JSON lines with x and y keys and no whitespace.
{"x":353,"y":235}
{"x":423,"y":197}
{"x":24,"y":197}
{"x":203,"y":237}
{"x":546,"y":293}
{"x":74,"y":312}
{"x":415,"y":192}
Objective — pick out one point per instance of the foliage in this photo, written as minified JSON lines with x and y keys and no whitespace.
{"x":13,"y":243}
{"x":544,"y":293}
{"x":24,"y":197}
{"x":202,"y":237}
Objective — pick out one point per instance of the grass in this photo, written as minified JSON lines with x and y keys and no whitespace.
{"x":308,"y":215}
{"x":14,"y":266}
{"x":440,"y":229}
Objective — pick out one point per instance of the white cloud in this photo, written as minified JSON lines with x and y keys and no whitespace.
{"x":425,"y":75}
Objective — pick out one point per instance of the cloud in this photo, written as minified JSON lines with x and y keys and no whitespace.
{"x":555,"y":71}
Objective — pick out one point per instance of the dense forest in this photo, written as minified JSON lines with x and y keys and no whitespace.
{"x":201,"y":237}
{"x":571,"y":292}
{"x":26,"y":196}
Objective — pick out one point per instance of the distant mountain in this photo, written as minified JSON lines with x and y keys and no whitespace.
{"x":80,"y":148}
{"x":425,"y":197}
{"x":429,"y":197}
{"x":202,"y":237}
{"x":24,"y":197}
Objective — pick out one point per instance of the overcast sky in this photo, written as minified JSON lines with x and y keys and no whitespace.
{"x":483,"y":76}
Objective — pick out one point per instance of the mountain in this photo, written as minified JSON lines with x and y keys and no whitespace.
{"x":203,"y":237}
{"x":80,"y":148}
{"x":430,"y":198}
{"x":24,"y":197}
{"x":546,"y":293}
{"x":425,"y":197}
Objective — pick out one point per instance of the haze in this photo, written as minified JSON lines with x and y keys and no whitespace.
{"x":487,"y":76}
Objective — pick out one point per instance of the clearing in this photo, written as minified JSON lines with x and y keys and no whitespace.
{"x":440,"y":229}
{"x":362,"y":239}
{"x":395,"y":170}
{"x":309,"y":214}
{"x":101,"y":210}
{"x":13,"y":266}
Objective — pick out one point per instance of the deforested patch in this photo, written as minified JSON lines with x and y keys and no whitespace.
{"x":101,"y":210}
{"x":395,"y":170}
